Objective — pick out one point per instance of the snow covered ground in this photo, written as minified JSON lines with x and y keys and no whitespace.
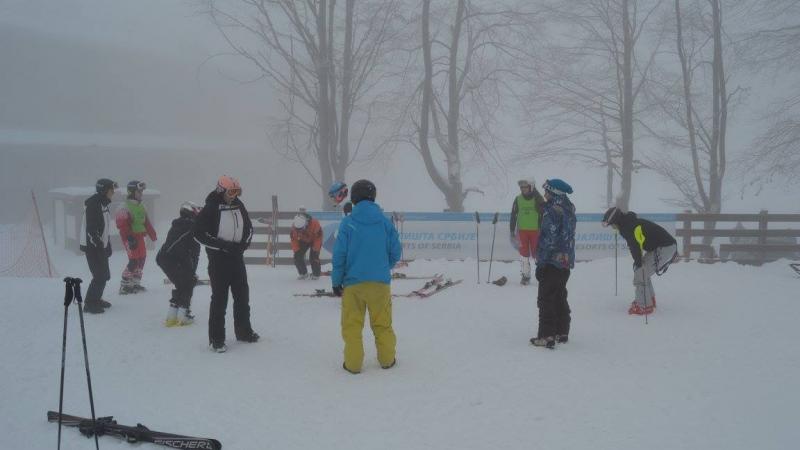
{"x":717,"y":366}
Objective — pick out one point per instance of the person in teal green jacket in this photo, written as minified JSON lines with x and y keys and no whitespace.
{"x":367,"y":247}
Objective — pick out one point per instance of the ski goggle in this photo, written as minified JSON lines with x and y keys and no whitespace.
{"x":339,"y":195}
{"x":234,"y":192}
{"x":140,"y":186}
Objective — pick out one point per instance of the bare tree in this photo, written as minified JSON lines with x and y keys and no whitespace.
{"x":584,"y":102}
{"x":698,"y":101}
{"x":326,"y":62}
{"x":469,"y":68}
{"x":773,"y":44}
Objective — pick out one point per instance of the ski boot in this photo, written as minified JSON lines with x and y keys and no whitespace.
{"x":639,"y":310}
{"x":546,"y":342}
{"x":172,"y":316}
{"x":562,"y":338}
{"x":250,"y":337}
{"x":184,"y":317}
{"x":302,"y":276}
{"x":93,"y":307}
{"x":139,"y":288}
{"x":526,"y":280}
{"x":126,"y":289}
{"x":218,"y":347}
{"x":314,"y":277}
{"x":105,"y":304}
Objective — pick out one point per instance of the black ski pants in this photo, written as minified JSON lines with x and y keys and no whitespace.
{"x":227,"y":271}
{"x":554,"y":312}
{"x":183,"y":277}
{"x":300,"y":262}
{"x":98,"y":265}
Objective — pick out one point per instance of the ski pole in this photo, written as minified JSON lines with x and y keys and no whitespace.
{"x":68,"y":295}
{"x":77,"y":287}
{"x":478,"y":243}
{"x":491,"y":253}
{"x":616,"y":261}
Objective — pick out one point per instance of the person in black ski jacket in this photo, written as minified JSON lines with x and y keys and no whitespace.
{"x":96,"y":244}
{"x":178,"y":259}
{"x":224,"y":228}
{"x":653,"y":249}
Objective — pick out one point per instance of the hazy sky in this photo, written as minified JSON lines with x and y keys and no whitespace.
{"x":133,"y":72}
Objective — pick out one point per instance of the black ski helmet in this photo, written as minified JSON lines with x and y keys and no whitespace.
{"x":104,"y":184}
{"x":136,"y":185}
{"x":362,"y":190}
{"x":611,"y":217}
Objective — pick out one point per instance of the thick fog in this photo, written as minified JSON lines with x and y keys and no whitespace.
{"x":141,"y":90}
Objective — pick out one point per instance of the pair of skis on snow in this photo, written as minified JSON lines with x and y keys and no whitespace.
{"x":434,"y":285}
{"x":140,"y":433}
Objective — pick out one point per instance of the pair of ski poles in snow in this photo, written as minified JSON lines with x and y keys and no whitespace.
{"x":478,"y":245}
{"x":73,"y":292}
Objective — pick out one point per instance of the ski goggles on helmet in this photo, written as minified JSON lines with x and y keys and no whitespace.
{"x":234,"y":192}
{"x":339,"y":195}
{"x":140,"y":186}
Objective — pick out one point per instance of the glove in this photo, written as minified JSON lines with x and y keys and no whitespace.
{"x":540,"y":273}
{"x":338,"y":291}
{"x":230,"y":247}
{"x":95,"y":241}
{"x":132,"y":243}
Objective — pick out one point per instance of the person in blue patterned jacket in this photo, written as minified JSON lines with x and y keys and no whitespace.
{"x":555,"y":256}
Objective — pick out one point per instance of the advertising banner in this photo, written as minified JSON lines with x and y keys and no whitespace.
{"x":458,"y":236}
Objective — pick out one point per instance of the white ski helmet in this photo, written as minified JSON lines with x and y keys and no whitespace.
{"x":300,"y":221}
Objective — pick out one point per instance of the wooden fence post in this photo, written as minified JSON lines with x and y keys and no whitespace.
{"x":763,"y":222}
{"x":687,"y":237}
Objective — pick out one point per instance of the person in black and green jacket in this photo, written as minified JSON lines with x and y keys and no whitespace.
{"x":653,"y":249}
{"x":526,"y":215}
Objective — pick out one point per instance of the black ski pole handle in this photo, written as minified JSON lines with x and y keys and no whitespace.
{"x":494,"y":220}
{"x":76,"y":283}
{"x":477,"y":217}
{"x":68,"y":294}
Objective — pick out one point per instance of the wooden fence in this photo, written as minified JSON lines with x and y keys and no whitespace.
{"x":761,"y":237}
{"x":759,"y":241}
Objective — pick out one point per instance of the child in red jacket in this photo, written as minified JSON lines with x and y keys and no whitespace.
{"x":306,"y":234}
{"x":133,"y":224}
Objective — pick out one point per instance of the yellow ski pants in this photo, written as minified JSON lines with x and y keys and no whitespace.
{"x":356,"y":301}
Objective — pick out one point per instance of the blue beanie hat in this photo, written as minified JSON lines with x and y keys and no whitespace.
{"x":557,"y":186}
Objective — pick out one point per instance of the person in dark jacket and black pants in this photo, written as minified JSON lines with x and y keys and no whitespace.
{"x":653,"y":249}
{"x":96,"y":244}
{"x":178,"y":259}
{"x":224,"y":228}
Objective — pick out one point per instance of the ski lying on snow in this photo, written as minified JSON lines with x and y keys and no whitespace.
{"x":438,"y":287}
{"x":395,"y":276}
{"x":200,"y":281}
{"x":429,"y":288}
{"x":139,"y":433}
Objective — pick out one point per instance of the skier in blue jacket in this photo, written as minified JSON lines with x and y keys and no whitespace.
{"x":367,"y":247}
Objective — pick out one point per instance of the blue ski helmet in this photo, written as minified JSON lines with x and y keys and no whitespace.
{"x":338,"y":192}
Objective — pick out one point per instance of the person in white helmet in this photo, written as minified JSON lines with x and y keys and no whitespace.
{"x":306,"y":235}
{"x":178,"y":259}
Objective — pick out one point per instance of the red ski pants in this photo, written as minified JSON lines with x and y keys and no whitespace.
{"x":528,"y":240}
